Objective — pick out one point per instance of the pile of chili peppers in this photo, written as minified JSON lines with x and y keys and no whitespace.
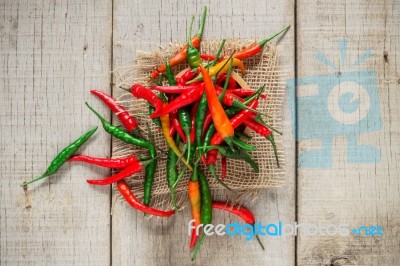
{"x":203,"y":111}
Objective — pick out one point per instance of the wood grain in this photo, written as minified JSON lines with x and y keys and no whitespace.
{"x":352,"y":193}
{"x":139,"y":241}
{"x":52,"y":53}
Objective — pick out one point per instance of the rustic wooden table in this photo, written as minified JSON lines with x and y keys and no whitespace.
{"x":53,"y":52}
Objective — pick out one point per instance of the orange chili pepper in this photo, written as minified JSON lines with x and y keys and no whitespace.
{"x":195,"y":203}
{"x":220,"y":119}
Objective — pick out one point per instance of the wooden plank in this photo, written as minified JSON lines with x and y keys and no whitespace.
{"x":356,"y":186}
{"x":139,"y":241}
{"x":52,"y":53}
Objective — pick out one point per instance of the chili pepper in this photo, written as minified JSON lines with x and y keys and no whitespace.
{"x":240,"y":211}
{"x":172,"y":172}
{"x":142,"y":92}
{"x":182,"y":100}
{"x":180,"y":57}
{"x":170,"y":75}
{"x":206,"y":207}
{"x":165,"y":125}
{"x":126,"y":119}
{"x":177,"y":125}
{"x":134,"y":168}
{"x":188,"y":75}
{"x":246,"y":93}
{"x":174,"y":89}
{"x":221,"y":120}
{"x":221,"y":67}
{"x":195,"y":203}
{"x":234,"y":154}
{"x":124,"y":136}
{"x":63,"y":156}
{"x":172,"y":130}
{"x":105,"y":162}
{"x":192,"y":54}
{"x":252,"y":51}
{"x":126,"y":192}
{"x":193,"y":114}
{"x":223,"y":167}
{"x":265,"y":132}
{"x":207,"y":57}
{"x":186,"y":123}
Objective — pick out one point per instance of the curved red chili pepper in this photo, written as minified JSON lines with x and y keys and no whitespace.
{"x":126,"y":119}
{"x":193,"y":117}
{"x":223,"y":167}
{"x":182,"y":100}
{"x":126,"y":192}
{"x":130,"y":170}
{"x":142,"y":92}
{"x":207,"y":122}
{"x":242,"y":212}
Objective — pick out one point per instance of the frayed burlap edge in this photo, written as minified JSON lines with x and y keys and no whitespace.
{"x":262,"y":69}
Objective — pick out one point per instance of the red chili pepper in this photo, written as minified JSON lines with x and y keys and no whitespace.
{"x":126,"y":192}
{"x":126,"y":119}
{"x":174,"y":89}
{"x":207,"y":122}
{"x":207,"y":57}
{"x":193,"y":117}
{"x":263,"y":131}
{"x":144,"y":93}
{"x":177,"y":125}
{"x":231,"y":83}
{"x":172,"y":130}
{"x":240,"y":211}
{"x":223,"y":167}
{"x":130,"y":170}
{"x":246,"y":93}
{"x":182,"y":100}
{"x":105,"y":162}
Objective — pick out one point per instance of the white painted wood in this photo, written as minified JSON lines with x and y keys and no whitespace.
{"x":139,"y":241}
{"x":52,"y":53}
{"x":352,"y":193}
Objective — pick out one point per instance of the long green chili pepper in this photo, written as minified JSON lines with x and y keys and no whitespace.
{"x":172,"y":172}
{"x":63,"y":156}
{"x":206,"y":207}
{"x":126,"y":137}
{"x":200,"y":116}
{"x":192,"y":54}
{"x":212,"y":63}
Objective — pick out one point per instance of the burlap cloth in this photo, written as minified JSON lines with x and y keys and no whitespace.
{"x":262,"y":69}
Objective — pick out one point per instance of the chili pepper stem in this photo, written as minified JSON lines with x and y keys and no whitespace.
{"x":259,"y":242}
{"x":26,"y":183}
{"x":202,"y":22}
{"x":263,"y":42}
{"x":214,"y":174}
{"x":243,"y":145}
{"x":239,"y":104}
{"x":272,"y":140}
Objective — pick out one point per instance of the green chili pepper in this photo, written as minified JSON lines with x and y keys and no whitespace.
{"x":186,"y":123}
{"x":200,"y":116}
{"x":170,"y":75}
{"x":126,"y":137}
{"x":63,"y":156}
{"x":155,"y":120}
{"x":172,"y":172}
{"x":192,"y":54}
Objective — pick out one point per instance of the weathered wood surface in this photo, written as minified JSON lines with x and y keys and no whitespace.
{"x":51,"y":54}
{"x":165,"y":242}
{"x":348,"y":192}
